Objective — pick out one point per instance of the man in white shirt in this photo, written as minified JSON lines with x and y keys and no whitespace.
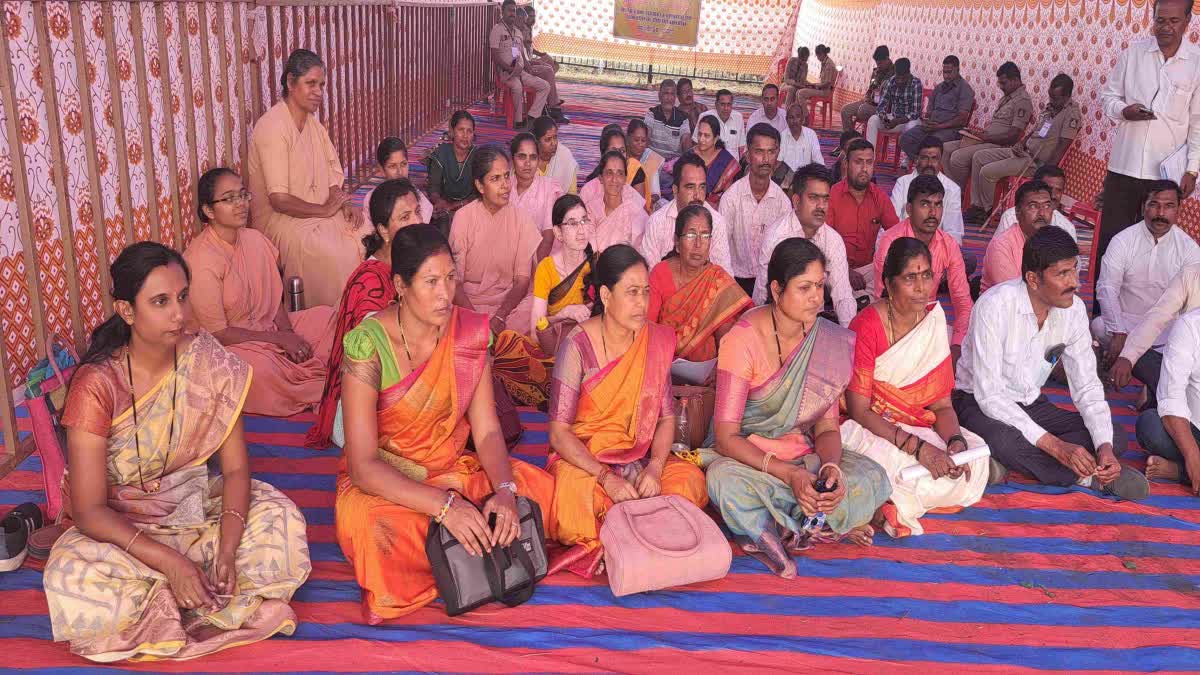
{"x":799,"y":145}
{"x":1053,"y":177}
{"x":1169,"y":432}
{"x":1137,"y":359}
{"x":769,"y":111}
{"x":1153,"y":95}
{"x":810,"y":203}
{"x":733,"y":125}
{"x":752,"y":203}
{"x":929,"y":163}
{"x":1019,"y":330}
{"x":658,"y":239}
{"x":1139,"y":264}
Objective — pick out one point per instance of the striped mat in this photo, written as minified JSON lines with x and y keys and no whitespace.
{"x":1032,"y":578}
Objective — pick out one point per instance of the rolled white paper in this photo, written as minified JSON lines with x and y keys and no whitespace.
{"x":917,"y":471}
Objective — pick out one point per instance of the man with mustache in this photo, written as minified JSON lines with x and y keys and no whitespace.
{"x":769,"y":111}
{"x":507,"y":45}
{"x":1002,"y":260}
{"x":806,"y":218}
{"x":1020,"y":330}
{"x":1056,"y":180}
{"x":929,"y":163}
{"x":1140,"y":262}
{"x":670,"y":130}
{"x":858,"y":210}
{"x":752,"y":203}
{"x":947,"y":112}
{"x":924,"y":222}
{"x":799,"y":145}
{"x":658,"y":239}
{"x":1153,"y":96}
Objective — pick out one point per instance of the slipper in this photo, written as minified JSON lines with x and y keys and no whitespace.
{"x":15,"y":528}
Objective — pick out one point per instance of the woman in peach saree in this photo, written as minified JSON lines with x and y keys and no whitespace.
{"x":166,"y":561}
{"x":418,"y":384}
{"x":612,"y":416}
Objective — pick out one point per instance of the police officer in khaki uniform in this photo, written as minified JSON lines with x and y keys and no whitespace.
{"x":508,"y":56}
{"x":1045,"y":144}
{"x":1008,"y":122}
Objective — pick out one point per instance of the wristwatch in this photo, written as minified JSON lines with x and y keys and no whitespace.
{"x":508,"y":485}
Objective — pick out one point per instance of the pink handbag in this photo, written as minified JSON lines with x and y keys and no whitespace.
{"x":661,"y":542}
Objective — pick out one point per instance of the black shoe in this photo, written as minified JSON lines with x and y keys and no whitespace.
{"x":557,"y":115}
{"x":15,"y":529}
{"x":523,"y":125}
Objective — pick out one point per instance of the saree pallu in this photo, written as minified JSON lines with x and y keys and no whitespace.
{"x":423,"y":434}
{"x":523,"y":368}
{"x":699,"y":309}
{"x":369,"y":290}
{"x":806,"y":389}
{"x":616,"y":414}
{"x":901,"y":381}
{"x":720,"y":175}
{"x":112,"y":606}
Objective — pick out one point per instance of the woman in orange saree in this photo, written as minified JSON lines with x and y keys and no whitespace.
{"x":688,"y":293}
{"x":418,"y":384}
{"x":166,"y":561}
{"x":612,"y":417}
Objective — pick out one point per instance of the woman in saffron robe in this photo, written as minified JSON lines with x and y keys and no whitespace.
{"x":237,"y":295}
{"x":293,"y":171}
{"x":165,"y":560}
{"x":780,"y":374}
{"x":394,"y":205}
{"x":612,"y":418}
{"x":418,"y":384}
{"x":899,"y":396}
{"x":617,"y":210}
{"x":721,"y":167}
{"x":688,"y":293}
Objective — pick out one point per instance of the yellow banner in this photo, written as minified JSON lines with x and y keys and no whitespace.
{"x":672,"y":22}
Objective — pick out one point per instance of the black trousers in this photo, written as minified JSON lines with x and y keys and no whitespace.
{"x":1012,"y":450}
{"x":1124,"y":197}
{"x":1148,"y":369}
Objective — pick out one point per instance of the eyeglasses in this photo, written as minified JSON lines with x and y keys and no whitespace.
{"x":691,"y":237}
{"x":583,"y":222}
{"x":243,"y":196}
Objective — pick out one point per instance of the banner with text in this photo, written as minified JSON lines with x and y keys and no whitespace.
{"x":673,"y":22}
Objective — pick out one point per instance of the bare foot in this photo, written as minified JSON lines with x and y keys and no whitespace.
{"x":1159,"y":468}
{"x":769,"y":550}
{"x":863,"y":535}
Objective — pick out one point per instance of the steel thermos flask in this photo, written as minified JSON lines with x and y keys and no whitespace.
{"x":295,"y":290}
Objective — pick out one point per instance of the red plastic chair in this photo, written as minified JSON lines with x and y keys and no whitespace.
{"x":504,"y":100}
{"x":891,"y":138}
{"x":826,"y":103}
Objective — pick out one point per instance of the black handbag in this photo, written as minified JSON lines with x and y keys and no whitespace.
{"x":506,"y":574}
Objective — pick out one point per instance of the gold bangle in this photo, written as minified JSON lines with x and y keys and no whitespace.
{"x":235,"y":513}
{"x":132,"y":539}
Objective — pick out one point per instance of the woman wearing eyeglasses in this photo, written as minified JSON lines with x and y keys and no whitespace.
{"x":559,"y":303}
{"x":689,"y":294}
{"x":237,"y":295}
{"x":899,"y":395}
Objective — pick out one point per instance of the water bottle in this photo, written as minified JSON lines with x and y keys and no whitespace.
{"x":295,"y":291}
{"x":683,"y":441}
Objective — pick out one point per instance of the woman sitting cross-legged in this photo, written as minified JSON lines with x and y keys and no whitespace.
{"x":394,"y":204}
{"x":559,"y":301}
{"x":418,"y":384}
{"x":166,"y":561}
{"x":692,"y":295}
{"x":612,"y":417}
{"x":781,"y":371}
{"x":237,"y":295}
{"x":899,"y":395}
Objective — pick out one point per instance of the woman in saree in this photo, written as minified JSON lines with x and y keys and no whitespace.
{"x":166,"y":561}
{"x":555,"y":161}
{"x":392,"y":156}
{"x":721,"y":167}
{"x":237,"y":296}
{"x":782,"y":465}
{"x":559,"y":302}
{"x":449,"y":165}
{"x":618,"y":212}
{"x":899,"y":396}
{"x":418,"y":384}
{"x":612,"y":417}
{"x":532,"y":193}
{"x":494,"y":245}
{"x":296,"y":180}
{"x":393,"y":205}
{"x":637,"y":137}
{"x":689,"y":294}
